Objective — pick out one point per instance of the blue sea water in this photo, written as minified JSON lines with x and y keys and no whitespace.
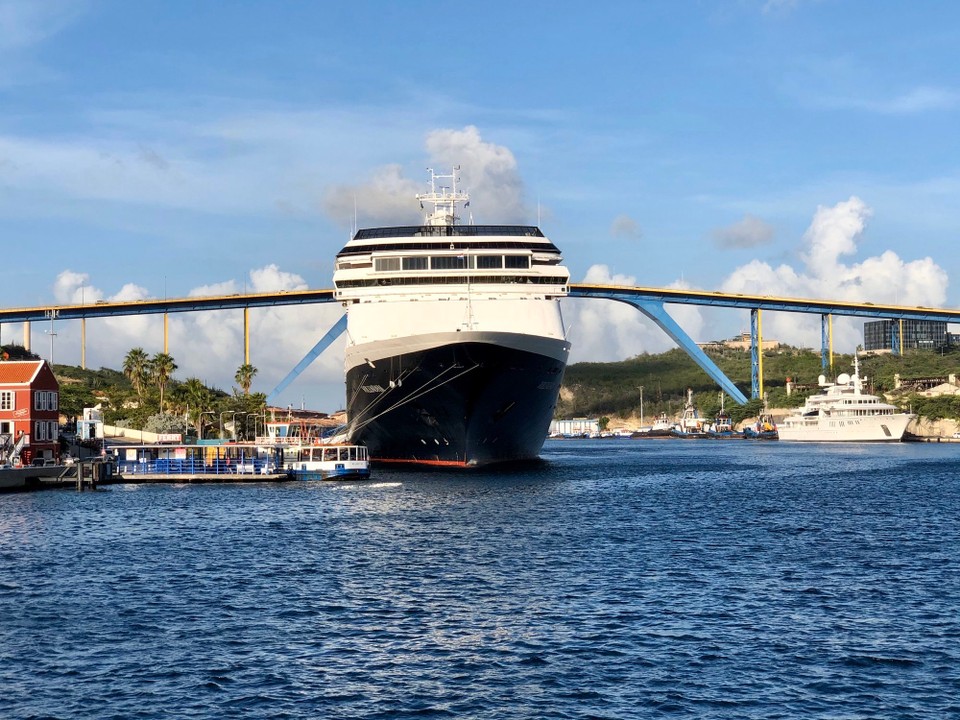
{"x":616,"y":579}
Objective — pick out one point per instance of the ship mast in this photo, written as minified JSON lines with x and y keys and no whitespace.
{"x":444,"y":199}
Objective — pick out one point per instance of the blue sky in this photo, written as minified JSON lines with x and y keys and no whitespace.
{"x":149,"y":148}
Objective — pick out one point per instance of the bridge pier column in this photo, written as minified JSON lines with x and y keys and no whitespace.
{"x":826,"y":342}
{"x":83,"y":343}
{"x":246,"y":336}
{"x":26,"y":335}
{"x":896,"y":342}
{"x":756,"y":353}
{"x":166,"y":334}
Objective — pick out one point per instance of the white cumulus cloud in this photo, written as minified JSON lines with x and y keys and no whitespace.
{"x":607,"y":330}
{"x":488,"y":172}
{"x":835,"y":233}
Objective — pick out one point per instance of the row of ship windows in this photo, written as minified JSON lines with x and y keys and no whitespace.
{"x":448,"y":231}
{"x":861,"y":413}
{"x":471,"y":245}
{"x":452,"y":262}
{"x":454,"y":280}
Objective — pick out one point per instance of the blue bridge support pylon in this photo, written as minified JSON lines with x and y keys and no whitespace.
{"x":332,"y":334}
{"x":756,"y":354}
{"x":654,"y":310}
{"x":826,"y":342}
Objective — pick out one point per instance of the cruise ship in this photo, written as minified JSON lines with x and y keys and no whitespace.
{"x":456,"y":345}
{"x":844,"y":413}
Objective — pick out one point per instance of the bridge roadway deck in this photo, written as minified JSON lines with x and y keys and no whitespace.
{"x":610,"y":292}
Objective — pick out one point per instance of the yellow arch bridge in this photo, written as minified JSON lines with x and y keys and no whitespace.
{"x":649,"y":301}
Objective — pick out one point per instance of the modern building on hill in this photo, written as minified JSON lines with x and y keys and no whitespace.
{"x":29,"y":412}
{"x":883,"y":335}
{"x":743,"y":341}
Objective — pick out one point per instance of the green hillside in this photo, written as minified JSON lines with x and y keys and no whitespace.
{"x":613,"y":389}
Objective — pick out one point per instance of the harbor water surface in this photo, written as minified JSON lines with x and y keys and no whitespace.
{"x":616,"y":579}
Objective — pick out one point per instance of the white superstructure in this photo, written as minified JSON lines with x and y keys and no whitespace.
{"x":844,"y":413}
{"x":411,"y":288}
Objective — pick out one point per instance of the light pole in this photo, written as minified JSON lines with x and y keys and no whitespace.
{"x":225,"y":412}
{"x":260,"y":419}
{"x":200,"y":420}
{"x":244,"y":414}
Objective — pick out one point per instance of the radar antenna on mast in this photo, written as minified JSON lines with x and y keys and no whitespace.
{"x":444,"y":199}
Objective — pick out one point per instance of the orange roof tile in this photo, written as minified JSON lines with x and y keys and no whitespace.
{"x":21,"y":372}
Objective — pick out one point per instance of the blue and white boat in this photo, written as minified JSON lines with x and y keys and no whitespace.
{"x":305,"y":451}
{"x":330,"y":462}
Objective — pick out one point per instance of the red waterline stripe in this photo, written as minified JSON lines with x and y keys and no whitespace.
{"x":441,"y":463}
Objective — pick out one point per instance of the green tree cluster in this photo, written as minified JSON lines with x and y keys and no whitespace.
{"x":603,"y":389}
{"x":147,"y":396}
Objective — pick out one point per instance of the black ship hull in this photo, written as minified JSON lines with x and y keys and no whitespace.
{"x":460,"y":404}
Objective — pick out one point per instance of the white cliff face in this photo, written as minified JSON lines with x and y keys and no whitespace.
{"x":924,"y":427}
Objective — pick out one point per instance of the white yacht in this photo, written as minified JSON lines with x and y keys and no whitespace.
{"x":843,"y":413}
{"x":456,"y":345}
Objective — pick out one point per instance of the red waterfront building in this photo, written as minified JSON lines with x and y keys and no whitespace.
{"x":29,"y":410}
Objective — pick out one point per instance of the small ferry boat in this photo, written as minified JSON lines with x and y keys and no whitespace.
{"x":844,"y":413}
{"x":330,"y":462}
{"x":307,"y":451}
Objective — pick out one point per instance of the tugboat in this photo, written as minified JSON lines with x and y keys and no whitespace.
{"x":763,"y":429}
{"x":456,"y":346}
{"x":690,"y":425}
{"x":722,"y":425}
{"x":662,"y":428}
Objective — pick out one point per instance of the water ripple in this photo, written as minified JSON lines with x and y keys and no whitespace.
{"x":616,"y":579}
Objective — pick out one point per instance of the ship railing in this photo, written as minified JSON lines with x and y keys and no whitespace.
{"x":267,"y":441}
{"x":191,"y":466}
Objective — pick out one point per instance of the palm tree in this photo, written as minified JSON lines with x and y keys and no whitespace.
{"x":136,"y":367}
{"x":161,"y":368}
{"x":199,"y":398}
{"x":244,"y":377}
